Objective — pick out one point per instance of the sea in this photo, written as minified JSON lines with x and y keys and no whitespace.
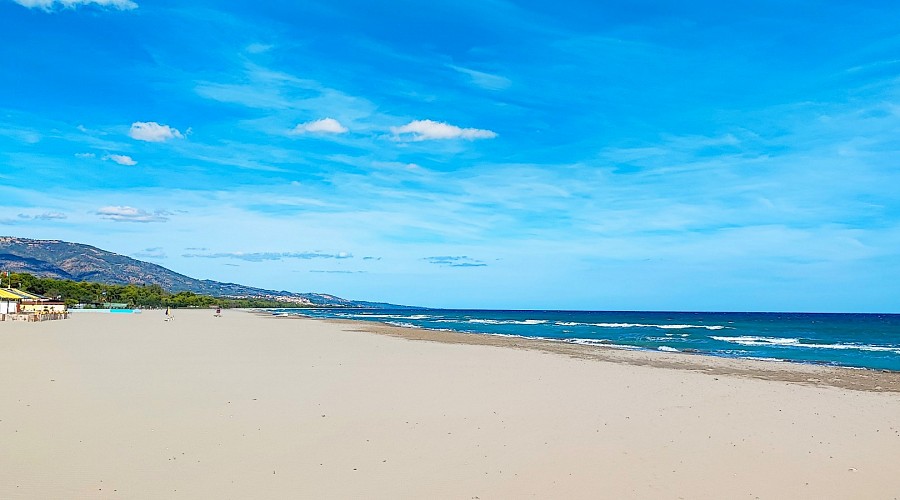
{"x":851,"y":340}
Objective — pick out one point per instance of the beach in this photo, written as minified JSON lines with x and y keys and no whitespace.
{"x":248,"y":405}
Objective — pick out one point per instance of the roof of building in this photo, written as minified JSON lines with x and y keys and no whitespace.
{"x":16,"y":294}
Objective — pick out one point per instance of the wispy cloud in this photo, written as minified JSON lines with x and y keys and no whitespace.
{"x":131,"y":214}
{"x":120,"y":159}
{"x":268,"y":256}
{"x":259,"y":48}
{"x":151,"y":253}
{"x":50,"y":5}
{"x":44,"y":216}
{"x":323,"y":126}
{"x":455,"y":261}
{"x":425,"y":130}
{"x":85,"y":156}
{"x":484,"y":80}
{"x":153,"y":132}
{"x":25,"y":135}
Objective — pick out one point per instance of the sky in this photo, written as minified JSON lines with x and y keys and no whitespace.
{"x":646,"y":155}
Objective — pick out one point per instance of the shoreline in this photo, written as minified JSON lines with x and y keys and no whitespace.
{"x":842,"y":377}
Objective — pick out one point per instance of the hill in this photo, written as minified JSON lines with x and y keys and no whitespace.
{"x":79,"y":262}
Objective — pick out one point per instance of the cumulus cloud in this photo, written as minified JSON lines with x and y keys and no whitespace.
{"x":50,"y":5}
{"x":424,"y":130}
{"x":44,"y":216}
{"x":455,"y":261}
{"x":266,"y":256}
{"x":131,"y":214}
{"x":153,"y":132}
{"x":121,"y":159}
{"x":323,"y":126}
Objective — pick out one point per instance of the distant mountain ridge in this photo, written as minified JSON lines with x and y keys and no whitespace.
{"x":78,"y":262}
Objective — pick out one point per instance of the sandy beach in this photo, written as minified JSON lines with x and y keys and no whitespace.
{"x":253,"y":406}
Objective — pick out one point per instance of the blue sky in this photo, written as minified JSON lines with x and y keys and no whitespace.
{"x":495,"y":154}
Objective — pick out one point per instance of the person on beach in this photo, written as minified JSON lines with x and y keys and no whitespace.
{"x":169,"y":315}
{"x":218,"y":312}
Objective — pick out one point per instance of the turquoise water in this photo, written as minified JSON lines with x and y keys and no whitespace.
{"x":853,"y":340}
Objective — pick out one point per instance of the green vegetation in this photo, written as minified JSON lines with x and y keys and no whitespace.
{"x":95,"y":294}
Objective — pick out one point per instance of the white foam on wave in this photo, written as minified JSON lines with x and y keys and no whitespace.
{"x":506,"y":321}
{"x":750,"y":340}
{"x":682,"y":327}
{"x":877,"y":348}
{"x":665,"y":348}
{"x":602,"y":342}
{"x":641,"y":325}
{"x":664,"y":327}
{"x":401,"y":324}
{"x":668,"y":338}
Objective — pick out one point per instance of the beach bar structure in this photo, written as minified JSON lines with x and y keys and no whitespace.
{"x":18,"y":305}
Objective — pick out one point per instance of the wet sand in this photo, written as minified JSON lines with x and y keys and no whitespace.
{"x":251,"y":406}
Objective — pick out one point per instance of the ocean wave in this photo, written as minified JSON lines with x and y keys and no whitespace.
{"x":602,"y":342}
{"x":668,"y":338}
{"x":750,"y":340}
{"x":401,"y":324}
{"x":506,"y":321}
{"x":641,"y":325}
{"x":681,"y":327}
{"x":386,"y":316}
{"x":667,"y":349}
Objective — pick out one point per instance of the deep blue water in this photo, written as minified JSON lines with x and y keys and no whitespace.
{"x":854,"y":340}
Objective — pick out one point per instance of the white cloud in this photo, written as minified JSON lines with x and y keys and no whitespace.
{"x":484,"y":80}
{"x":258,"y":48}
{"x":44,"y":216}
{"x":121,"y":159}
{"x":85,"y":155}
{"x":131,"y":214}
{"x":49,"y":5}
{"x":455,"y":261}
{"x":151,"y":253}
{"x":424,"y":130}
{"x":153,"y":132}
{"x":266,"y":256}
{"x":323,"y":126}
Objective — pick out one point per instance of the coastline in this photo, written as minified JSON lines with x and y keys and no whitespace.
{"x":858,"y":379}
{"x":247,"y":406}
